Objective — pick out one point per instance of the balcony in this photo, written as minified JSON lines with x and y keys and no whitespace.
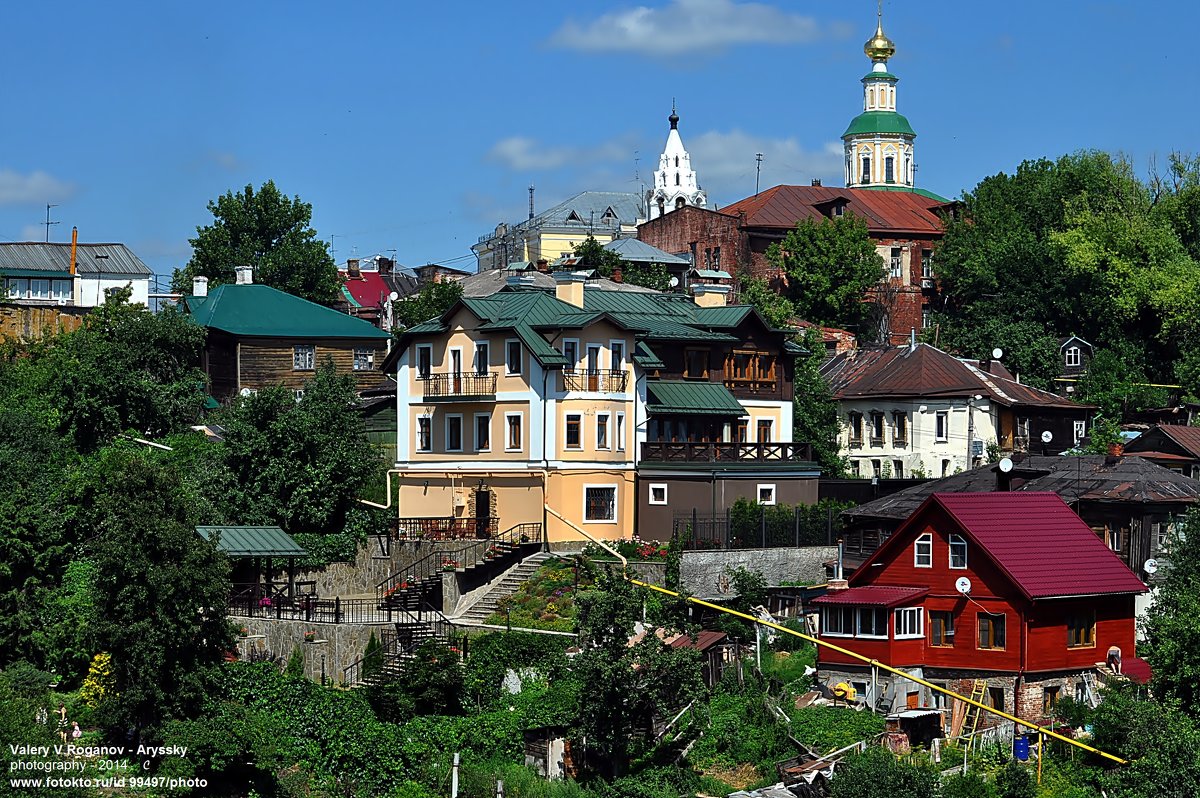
{"x":455,"y":387}
{"x":687,"y":452}
{"x":595,"y":380}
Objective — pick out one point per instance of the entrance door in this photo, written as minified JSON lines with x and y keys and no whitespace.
{"x":593,"y":367}
{"x":483,"y":513}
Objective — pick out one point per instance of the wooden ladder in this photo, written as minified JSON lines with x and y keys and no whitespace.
{"x":978,"y":693}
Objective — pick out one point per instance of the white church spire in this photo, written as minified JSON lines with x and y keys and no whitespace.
{"x":675,"y":181}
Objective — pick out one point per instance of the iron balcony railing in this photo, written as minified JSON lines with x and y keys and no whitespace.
{"x":458,"y":385}
{"x":687,"y":452}
{"x":595,"y":380}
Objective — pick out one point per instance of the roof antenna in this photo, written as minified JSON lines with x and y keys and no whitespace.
{"x":530,"y":200}
{"x":912,"y":339}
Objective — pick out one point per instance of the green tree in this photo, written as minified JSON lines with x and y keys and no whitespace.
{"x":593,"y":256}
{"x":1172,"y":624}
{"x":878,"y":774}
{"x":815,"y":417}
{"x":269,"y":232}
{"x":430,"y":302}
{"x":1116,"y":385}
{"x":1014,"y":781}
{"x":777,"y":309}
{"x":830,"y":266}
{"x":160,"y":590}
{"x":1030,"y":351}
{"x":1161,"y":740}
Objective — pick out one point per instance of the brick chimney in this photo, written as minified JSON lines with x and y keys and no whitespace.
{"x":617,"y":276}
{"x":352,"y":269}
{"x":707,"y":295}
{"x":816,"y":181}
{"x":543,"y":265}
{"x":386,"y":265}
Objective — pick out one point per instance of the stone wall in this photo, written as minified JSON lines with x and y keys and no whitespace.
{"x":361,"y":576}
{"x":703,"y":573}
{"x":337,"y":644}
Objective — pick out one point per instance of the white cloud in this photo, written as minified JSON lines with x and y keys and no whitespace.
{"x":33,"y":188}
{"x":33,"y":232}
{"x":686,"y":26}
{"x":523,"y":154}
{"x":725,"y":164}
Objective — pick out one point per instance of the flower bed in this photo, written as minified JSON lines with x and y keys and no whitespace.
{"x":634,"y":549}
{"x":547,"y":600}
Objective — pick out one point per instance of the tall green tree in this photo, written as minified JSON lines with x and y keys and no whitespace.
{"x":830,"y":266}
{"x":593,"y":255}
{"x":1172,"y":624}
{"x":777,"y":309}
{"x":814,"y":410}
{"x":268,"y":231}
{"x":430,"y":302}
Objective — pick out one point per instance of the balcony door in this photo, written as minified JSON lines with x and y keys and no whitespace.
{"x":456,"y":368}
{"x":593,"y":367}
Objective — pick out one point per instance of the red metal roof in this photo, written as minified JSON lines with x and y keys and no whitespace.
{"x":1187,"y":437}
{"x":705,"y":639}
{"x":883,"y":211}
{"x":1137,"y":669}
{"x":370,"y":290}
{"x":1040,"y":543}
{"x":873,"y":596}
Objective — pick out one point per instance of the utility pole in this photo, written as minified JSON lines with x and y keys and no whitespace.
{"x":48,"y":223}
{"x":758,"y":156}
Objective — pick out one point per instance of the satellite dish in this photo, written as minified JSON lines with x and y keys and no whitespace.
{"x":963,"y":585}
{"x":1006,"y":465}
{"x":997,"y":353}
{"x":393,"y":296}
{"x":1150,"y":566}
{"x":674,"y":282}
{"x":1047,"y":436}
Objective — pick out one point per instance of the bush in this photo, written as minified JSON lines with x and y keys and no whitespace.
{"x":968,"y":785}
{"x":826,"y":729}
{"x":1014,"y":781}
{"x":878,"y":774}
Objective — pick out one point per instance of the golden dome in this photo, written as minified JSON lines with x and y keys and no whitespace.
{"x":879,"y":47}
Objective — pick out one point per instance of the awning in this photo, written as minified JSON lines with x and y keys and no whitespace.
{"x":253,"y":541}
{"x":873,"y":596}
{"x":692,"y":397}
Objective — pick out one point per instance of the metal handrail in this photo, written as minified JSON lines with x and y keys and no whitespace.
{"x":455,"y":384}
{"x":595,"y":380}
{"x":393,"y":645}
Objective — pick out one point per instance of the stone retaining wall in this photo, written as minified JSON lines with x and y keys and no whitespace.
{"x":339,"y":644}
{"x":704,"y":573}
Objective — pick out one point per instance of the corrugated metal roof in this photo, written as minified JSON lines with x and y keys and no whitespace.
{"x":873,"y":596}
{"x":883,"y":211}
{"x":645,"y":357}
{"x":691,"y":397}
{"x":262,"y":311}
{"x":705,"y":639}
{"x":1186,"y":438}
{"x":726,"y":316}
{"x":1032,"y":537}
{"x":90,"y":259}
{"x":635,"y":251}
{"x":588,"y":209}
{"x":253,"y":541}
{"x":492,"y":281}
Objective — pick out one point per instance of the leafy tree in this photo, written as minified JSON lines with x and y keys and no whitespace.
{"x":815,"y":417}
{"x":777,"y":309}
{"x":1116,"y":385}
{"x":1014,"y":781}
{"x":878,"y":774}
{"x":1030,"y":351}
{"x":1105,"y":433}
{"x":160,"y":590}
{"x":1172,"y":624}
{"x":294,"y":669}
{"x":62,"y":637}
{"x":430,"y":302}
{"x":593,"y":255}
{"x":431,"y":683}
{"x":830,"y":265}
{"x":1161,"y":740}
{"x":265,"y":230}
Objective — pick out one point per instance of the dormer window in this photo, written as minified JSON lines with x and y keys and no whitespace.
{"x":1074,"y":356}
{"x":574,"y":217}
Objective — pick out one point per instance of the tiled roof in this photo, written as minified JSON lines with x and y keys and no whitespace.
{"x":883,"y":211}
{"x":873,"y":596}
{"x":262,"y":311}
{"x":90,"y":259}
{"x":1040,"y":543}
{"x":253,"y":541}
{"x":691,"y":397}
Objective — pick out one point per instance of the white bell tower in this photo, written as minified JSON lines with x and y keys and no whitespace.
{"x":675,"y":181}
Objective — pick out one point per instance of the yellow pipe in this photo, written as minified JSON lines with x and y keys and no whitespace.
{"x":890,"y":669}
{"x":597,"y":541}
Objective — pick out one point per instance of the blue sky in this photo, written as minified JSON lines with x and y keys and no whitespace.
{"x":416,"y":127}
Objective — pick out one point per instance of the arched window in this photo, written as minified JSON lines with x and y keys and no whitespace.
{"x":677,"y":161}
{"x":889,"y":169}
{"x":866,"y":169}
{"x":676,"y":178}
{"x":680,"y":202}
{"x":1074,"y":356}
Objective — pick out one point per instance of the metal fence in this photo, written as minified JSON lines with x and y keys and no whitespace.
{"x":758,"y":527}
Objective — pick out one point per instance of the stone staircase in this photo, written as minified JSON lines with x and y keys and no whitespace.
{"x":503,"y":587}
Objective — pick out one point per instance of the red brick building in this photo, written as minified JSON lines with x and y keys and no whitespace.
{"x":1009,"y":595}
{"x":905,"y":226}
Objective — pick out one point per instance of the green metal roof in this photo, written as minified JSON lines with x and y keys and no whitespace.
{"x":354,"y":303}
{"x":923,"y":192}
{"x":53,"y":273}
{"x":262,"y":311}
{"x":726,"y":316}
{"x":880,"y":76}
{"x":252,"y":541}
{"x":691,"y":397}
{"x":879,"y":122}
{"x":644,"y":356}
{"x":713,"y":274}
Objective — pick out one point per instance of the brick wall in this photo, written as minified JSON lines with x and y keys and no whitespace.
{"x":698,"y":231}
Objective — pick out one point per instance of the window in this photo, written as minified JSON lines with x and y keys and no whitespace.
{"x":39,"y":289}
{"x":927,"y":264}
{"x":866,"y":169}
{"x":483,"y":432}
{"x":764,"y":430}
{"x":602,"y":431}
{"x":889,"y":169}
{"x":876,"y":469}
{"x":620,"y":432}
{"x":600,"y":503}
{"x":17,"y":289}
{"x":658,"y":493}
{"x":574,"y":438}
{"x":996,"y":698}
{"x":856,"y":428}
{"x":424,"y":434}
{"x":1074,"y":356}
{"x":894,"y":263}
{"x":898,"y":469}
{"x":1161,"y":533}
{"x":570,"y":350}
{"x":695,"y":364}
{"x":925,"y":317}
{"x":943,"y":425}
{"x":854,"y":469}
{"x":958,"y":552}
{"x":303,"y":356}
{"x":716,"y":262}
{"x":363,"y":359}
{"x":837,"y":621}
{"x":899,"y":429}
{"x":941,"y":628}
{"x":877,"y":429}
{"x":945,"y":468}
{"x":1081,"y":629}
{"x":61,"y":290}
{"x":741,"y":430}
{"x":923,"y":551}
{"x":482,"y":357}
{"x":991,"y":630}
{"x":616,"y":351}
{"x":424,"y":361}
{"x":910,"y":623}
{"x":750,"y":369}
{"x":512,"y":357}
{"x":298,"y":394}
{"x":766,"y":494}
{"x":1079,"y":428}
{"x":872,"y":622}
{"x":515,"y":439}
{"x":1049,"y":699}
{"x":454,"y":433}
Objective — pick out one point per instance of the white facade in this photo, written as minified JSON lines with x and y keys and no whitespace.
{"x":90,"y":288}
{"x":902,"y":438}
{"x":675,"y":183}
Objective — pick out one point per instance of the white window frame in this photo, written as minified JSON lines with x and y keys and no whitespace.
{"x":304,"y":353}
{"x":615,"y":504}
{"x":508,"y":370}
{"x":367,"y":358}
{"x":758,"y":490}
{"x":1074,"y":356}
{"x":417,"y":364}
{"x":606,"y":444}
{"x":520,"y":417}
{"x":484,"y":347}
{"x":941,"y":426}
{"x":957,"y":540}
{"x":770,"y":424}
{"x":925,"y":540}
{"x":39,"y":288}
{"x":842,"y":613}
{"x":619,"y":432}
{"x":909,"y":623}
{"x":616,"y":362}
{"x":567,"y":447}
{"x":428,"y":419}
{"x":461,"y":433}
{"x":61,"y":290}
{"x":475,"y":432}
{"x":298,"y":394}
{"x":1079,"y":428}
{"x":657,"y":486}
{"x":858,"y":624}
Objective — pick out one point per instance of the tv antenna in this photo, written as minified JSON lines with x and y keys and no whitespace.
{"x":758,"y":156}
{"x":48,"y":223}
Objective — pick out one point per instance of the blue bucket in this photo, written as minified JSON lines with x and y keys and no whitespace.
{"x":1021,"y":747}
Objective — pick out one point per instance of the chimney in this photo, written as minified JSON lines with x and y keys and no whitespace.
{"x":838,"y":582}
{"x":519,"y":280}
{"x":617,"y":276}
{"x":568,"y":287}
{"x":74,"y":244}
{"x":816,"y":181}
{"x":543,"y":265}
{"x":386,"y":265}
{"x":352,"y":269}
{"x":245,"y":274}
{"x":199,"y":286}
{"x":710,"y":296}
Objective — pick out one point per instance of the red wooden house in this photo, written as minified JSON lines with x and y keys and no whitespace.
{"x":1007,"y":594}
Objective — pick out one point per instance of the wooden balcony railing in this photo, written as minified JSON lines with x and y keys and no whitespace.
{"x":686,"y":452}
{"x":595,"y":380}
{"x":449,"y":387}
